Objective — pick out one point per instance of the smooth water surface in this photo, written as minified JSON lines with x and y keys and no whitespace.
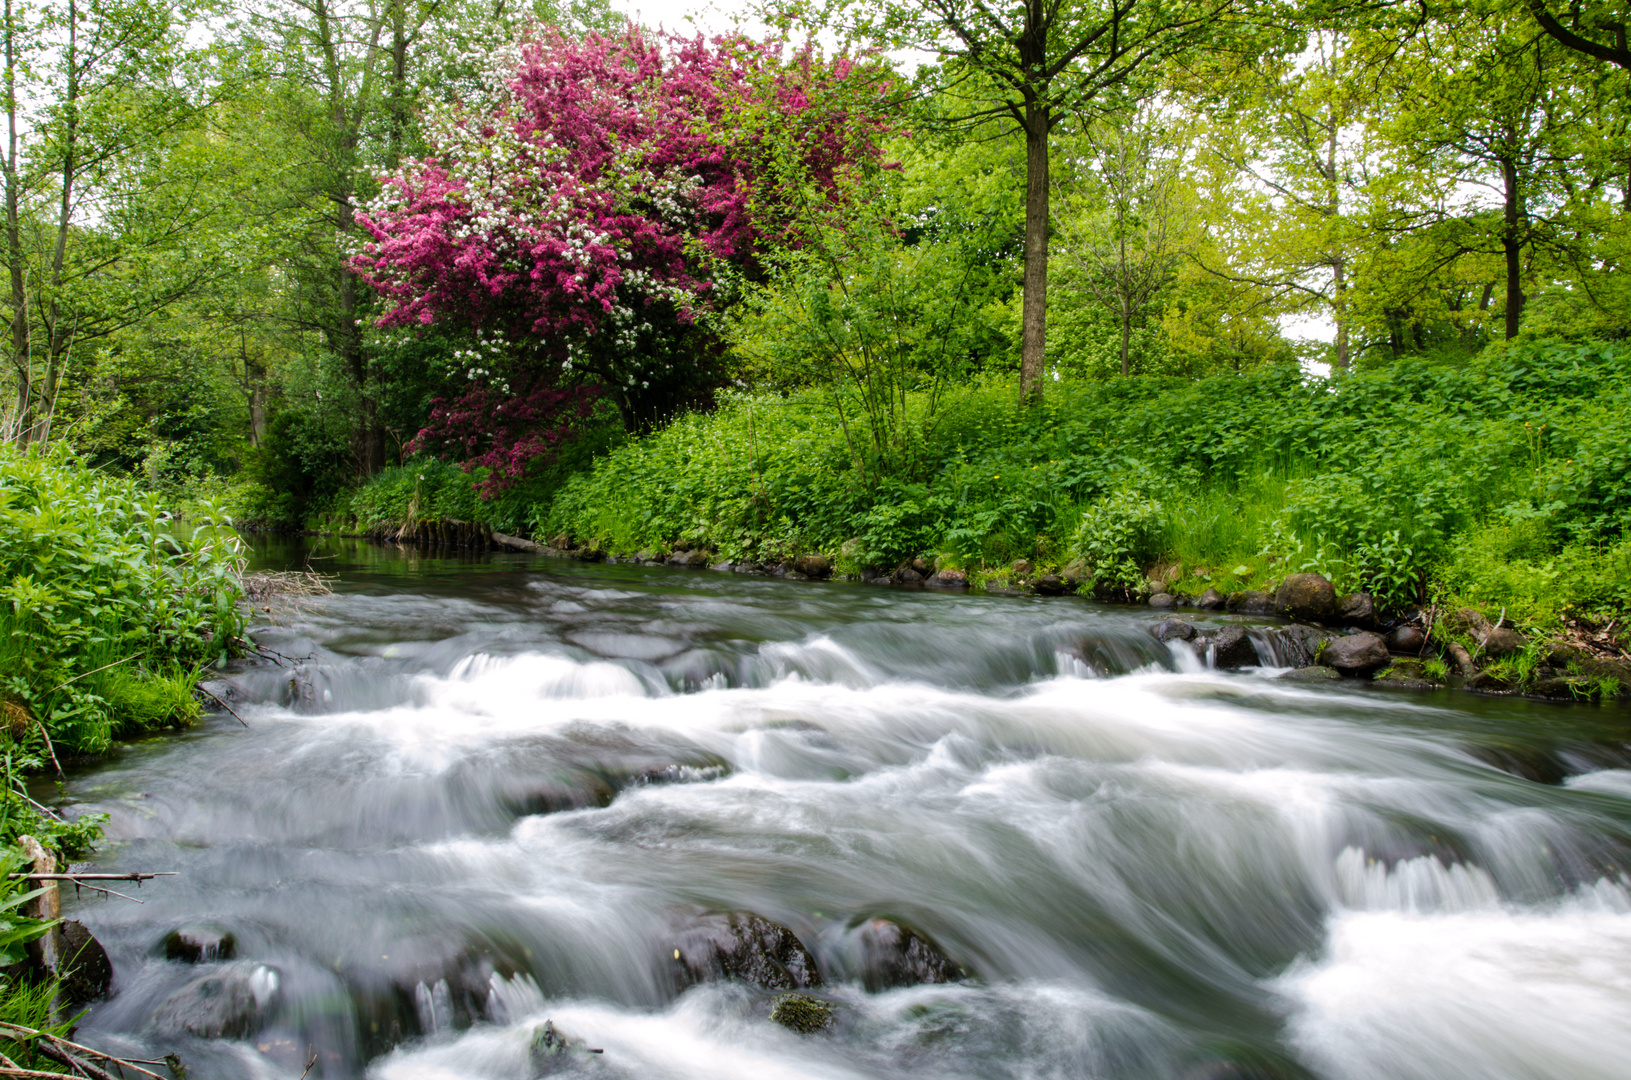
{"x":479,"y":792}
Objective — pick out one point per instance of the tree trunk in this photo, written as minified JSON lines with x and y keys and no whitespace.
{"x":22,"y":353}
{"x":59,"y":339}
{"x":1126,"y":334}
{"x":1034,"y":319}
{"x":1512,"y":248}
{"x":1339,"y":303}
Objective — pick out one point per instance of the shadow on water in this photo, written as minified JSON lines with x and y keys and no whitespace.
{"x":481,"y":790}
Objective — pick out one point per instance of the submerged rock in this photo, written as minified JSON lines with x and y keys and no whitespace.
{"x":200,"y":944}
{"x":745,"y":947}
{"x":232,"y":1002}
{"x":1168,"y":629}
{"x":890,"y":955}
{"x":1355,"y":655}
{"x":802,"y":1013}
{"x":1309,"y":597}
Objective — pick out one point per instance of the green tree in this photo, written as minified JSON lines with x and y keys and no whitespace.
{"x":1033,"y":63}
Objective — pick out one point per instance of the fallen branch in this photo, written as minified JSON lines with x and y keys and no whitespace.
{"x":223,"y":705}
{"x":82,"y":1059}
{"x":95,"y":877}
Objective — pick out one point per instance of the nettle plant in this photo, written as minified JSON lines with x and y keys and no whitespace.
{"x":601,"y":201}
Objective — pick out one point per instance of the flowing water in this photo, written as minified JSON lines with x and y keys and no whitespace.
{"x":480,"y":792}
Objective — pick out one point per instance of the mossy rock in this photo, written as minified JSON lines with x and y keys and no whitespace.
{"x":802,"y":1013}
{"x":1408,"y":674}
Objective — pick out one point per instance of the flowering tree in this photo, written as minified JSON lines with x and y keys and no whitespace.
{"x":600,"y":205}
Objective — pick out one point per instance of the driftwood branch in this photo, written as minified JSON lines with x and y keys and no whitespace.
{"x":224,"y":705}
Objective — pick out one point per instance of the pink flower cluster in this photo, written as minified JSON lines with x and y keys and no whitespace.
{"x":611,"y":173}
{"x":586,"y":210}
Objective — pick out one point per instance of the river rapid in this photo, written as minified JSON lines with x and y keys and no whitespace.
{"x":481,"y":792}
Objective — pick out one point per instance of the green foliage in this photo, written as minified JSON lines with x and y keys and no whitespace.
{"x":1121,"y":534}
{"x":106,"y":608}
{"x":1498,"y":478}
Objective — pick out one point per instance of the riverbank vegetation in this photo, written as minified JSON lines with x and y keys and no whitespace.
{"x":552,"y":273}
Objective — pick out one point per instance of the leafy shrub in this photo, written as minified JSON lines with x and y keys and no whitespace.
{"x":104,"y":604}
{"x":1119,"y":536}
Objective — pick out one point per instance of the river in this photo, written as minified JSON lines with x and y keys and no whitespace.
{"x":481,"y":792}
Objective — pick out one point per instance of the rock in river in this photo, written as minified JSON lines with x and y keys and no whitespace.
{"x":230,"y":1002}
{"x":742,"y":946}
{"x":1232,"y":648}
{"x":196,"y":944}
{"x":889,"y":955}
{"x":1357,"y":654}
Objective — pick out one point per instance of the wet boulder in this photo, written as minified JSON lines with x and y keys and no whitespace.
{"x":1232,"y":648}
{"x":1355,"y":655}
{"x":888,"y":954}
{"x":1250,"y":602}
{"x":82,"y":964}
{"x":1077,"y":574}
{"x":1407,"y":639}
{"x":814,"y":566}
{"x":1358,"y":609}
{"x":1211,"y":600}
{"x":1163,"y":600}
{"x":230,"y":1002}
{"x":908,"y":576}
{"x":1296,"y":646}
{"x":1050,"y":585}
{"x":950,"y":578}
{"x":1312,"y":673}
{"x":200,"y":944}
{"x":1168,"y":629}
{"x":1307,"y":597}
{"x":743,"y":947}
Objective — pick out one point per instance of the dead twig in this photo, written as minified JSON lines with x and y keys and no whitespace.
{"x":309,"y":1063}
{"x":82,"y":1059}
{"x":52,"y":750}
{"x":224,"y":705}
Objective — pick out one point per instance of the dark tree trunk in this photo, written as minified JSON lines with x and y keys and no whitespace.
{"x":1034,"y":319}
{"x":1512,"y":248}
